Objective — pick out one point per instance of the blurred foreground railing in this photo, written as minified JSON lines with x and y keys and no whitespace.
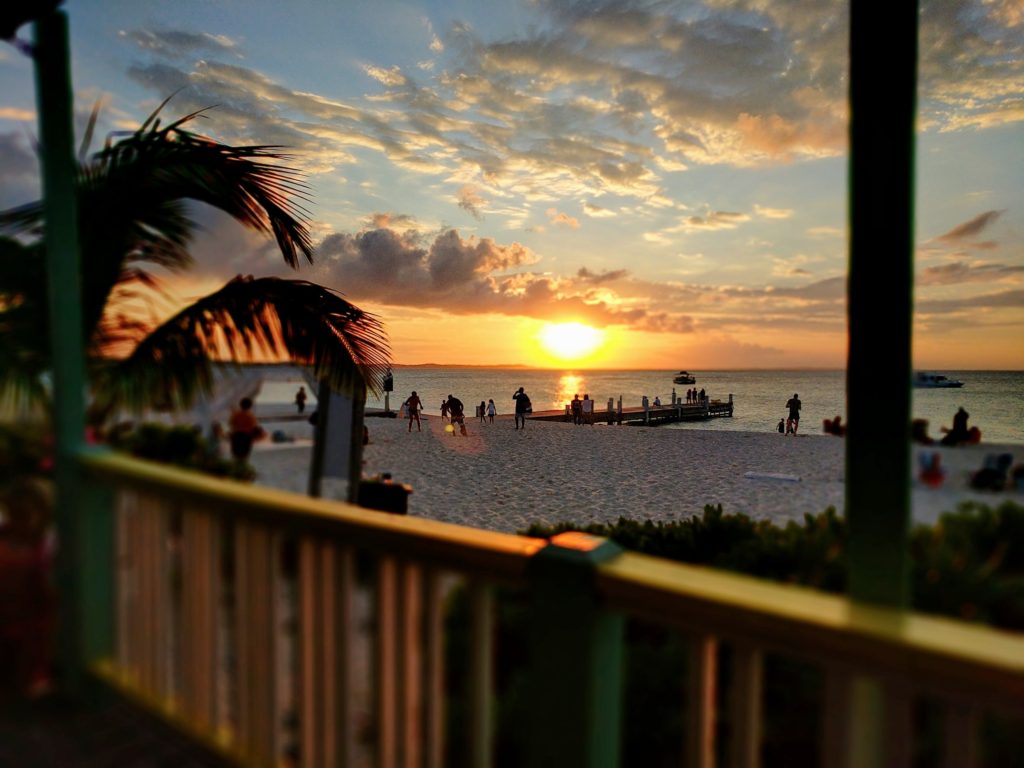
{"x":280,"y":628}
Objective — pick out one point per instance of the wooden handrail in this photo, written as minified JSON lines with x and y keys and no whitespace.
{"x":940,"y":654}
{"x":490,"y":554}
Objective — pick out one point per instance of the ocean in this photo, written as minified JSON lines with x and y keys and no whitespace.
{"x":994,"y":399}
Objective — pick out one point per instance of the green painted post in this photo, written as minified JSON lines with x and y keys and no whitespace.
{"x":881,"y":215}
{"x":575,"y":658}
{"x":54,"y":102}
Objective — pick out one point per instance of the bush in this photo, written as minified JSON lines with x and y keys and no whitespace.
{"x":180,"y":446}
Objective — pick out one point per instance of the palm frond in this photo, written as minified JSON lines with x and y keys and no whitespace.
{"x":249,"y":319}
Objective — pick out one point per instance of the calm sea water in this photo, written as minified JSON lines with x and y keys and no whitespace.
{"x":994,"y":399}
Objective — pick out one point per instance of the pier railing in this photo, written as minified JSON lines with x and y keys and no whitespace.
{"x":277,"y":627}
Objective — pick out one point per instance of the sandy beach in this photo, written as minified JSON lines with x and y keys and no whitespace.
{"x":502,"y":479}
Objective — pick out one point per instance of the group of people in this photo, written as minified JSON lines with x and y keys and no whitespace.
{"x":582,"y":411}
{"x":453,"y":410}
{"x":790,"y":424}
{"x":695,"y":397}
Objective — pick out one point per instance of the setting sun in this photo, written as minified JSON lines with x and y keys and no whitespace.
{"x":570,"y":341}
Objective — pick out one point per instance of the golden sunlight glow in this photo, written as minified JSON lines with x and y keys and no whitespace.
{"x":570,"y":341}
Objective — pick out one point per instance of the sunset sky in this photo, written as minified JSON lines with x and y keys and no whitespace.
{"x":669,"y":176}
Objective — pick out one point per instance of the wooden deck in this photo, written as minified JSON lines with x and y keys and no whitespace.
{"x":655,"y":415}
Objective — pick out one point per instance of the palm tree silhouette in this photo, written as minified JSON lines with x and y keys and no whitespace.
{"x":132,"y":217}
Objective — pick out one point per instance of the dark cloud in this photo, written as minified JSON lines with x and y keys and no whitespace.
{"x":972,"y":227}
{"x":178,"y":43}
{"x":962,"y":272}
{"x":584,"y":275}
{"x":1013,"y":299}
{"x":19,"y":171}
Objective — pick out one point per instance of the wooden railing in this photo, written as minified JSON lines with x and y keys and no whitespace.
{"x":273,"y":627}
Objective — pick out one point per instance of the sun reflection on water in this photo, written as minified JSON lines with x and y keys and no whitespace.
{"x":569,"y":384}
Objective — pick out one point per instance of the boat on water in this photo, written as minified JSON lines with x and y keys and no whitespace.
{"x":684,"y":378}
{"x":926,"y":380}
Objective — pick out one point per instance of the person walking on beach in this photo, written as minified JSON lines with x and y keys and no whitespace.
{"x":300,"y":399}
{"x":482,"y":411}
{"x":491,"y":410}
{"x":793,"y":423}
{"x":243,"y":429}
{"x":455,"y":410}
{"x":413,"y":406}
{"x":523,"y":407}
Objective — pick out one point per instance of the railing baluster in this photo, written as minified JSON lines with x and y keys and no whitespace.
{"x":410,"y":665}
{"x":481,"y":673}
{"x":961,"y":748}
{"x":701,"y":698}
{"x":433,"y":672}
{"x":386,"y":666}
{"x":127,"y":582}
{"x":746,"y":704}
{"x":899,"y":722}
{"x":835,"y":737}
{"x":326,"y":584}
{"x":200,"y":600}
{"x":256,"y":631}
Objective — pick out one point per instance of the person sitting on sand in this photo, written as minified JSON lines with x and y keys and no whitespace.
{"x":919,"y":432}
{"x":959,"y":434}
{"x":244,"y":429}
{"x":413,"y":406}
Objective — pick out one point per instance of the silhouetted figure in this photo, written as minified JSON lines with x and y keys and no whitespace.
{"x":300,"y":399}
{"x":491,"y":410}
{"x":523,"y":407}
{"x":244,"y":429}
{"x":959,"y":434}
{"x":919,"y":432}
{"x":455,"y":411}
{"x":413,"y":406}
{"x":793,"y":422}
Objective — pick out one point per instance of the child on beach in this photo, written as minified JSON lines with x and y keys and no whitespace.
{"x":491,"y":411}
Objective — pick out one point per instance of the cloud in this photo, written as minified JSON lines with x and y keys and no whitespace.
{"x":960,"y":272}
{"x":471,"y":201}
{"x":711,"y":221}
{"x":391,"y":77}
{"x":773,"y":213}
{"x":179,"y":43}
{"x":560,"y":219}
{"x":15,"y":113}
{"x":19,"y":171}
{"x":970,"y":228}
{"x":596,"y":211}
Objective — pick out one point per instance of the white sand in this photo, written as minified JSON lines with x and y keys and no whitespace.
{"x":502,"y":479}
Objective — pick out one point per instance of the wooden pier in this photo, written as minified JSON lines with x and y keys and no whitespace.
{"x":650,"y":417}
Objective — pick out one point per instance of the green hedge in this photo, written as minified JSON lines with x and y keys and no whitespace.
{"x":969,"y":565}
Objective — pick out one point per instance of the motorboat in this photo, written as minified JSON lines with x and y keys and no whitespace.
{"x":684,"y":378}
{"x":926,"y":380}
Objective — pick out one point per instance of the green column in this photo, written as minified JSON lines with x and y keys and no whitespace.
{"x":54,"y":103}
{"x":575,"y":658}
{"x":881,"y":216}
